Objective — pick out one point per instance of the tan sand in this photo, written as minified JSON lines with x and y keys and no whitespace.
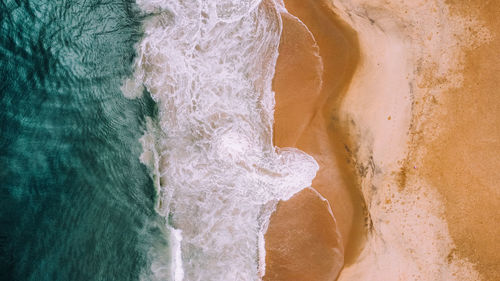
{"x":413,"y":116}
{"x":416,"y":107}
{"x":308,"y":247}
{"x":463,"y":162}
{"x":318,"y":55}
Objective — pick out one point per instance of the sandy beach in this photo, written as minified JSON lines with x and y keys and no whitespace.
{"x":250,"y":140}
{"x":398,"y":104}
{"x":315,"y":46}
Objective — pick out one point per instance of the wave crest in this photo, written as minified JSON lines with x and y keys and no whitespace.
{"x":209,"y":67}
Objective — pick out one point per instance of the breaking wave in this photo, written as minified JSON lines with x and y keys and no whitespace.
{"x":209,"y":66}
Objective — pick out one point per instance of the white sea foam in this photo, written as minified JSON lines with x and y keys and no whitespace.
{"x":209,"y":66}
{"x":177,"y":269}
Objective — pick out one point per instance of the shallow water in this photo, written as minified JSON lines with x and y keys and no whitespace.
{"x":92,"y":89}
{"x":209,"y":67}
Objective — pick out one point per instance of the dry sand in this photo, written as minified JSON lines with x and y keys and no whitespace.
{"x":463,"y":161}
{"x":408,"y":93}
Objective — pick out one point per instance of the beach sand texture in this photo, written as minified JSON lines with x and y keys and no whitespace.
{"x":315,"y":45}
{"x":398,"y":103}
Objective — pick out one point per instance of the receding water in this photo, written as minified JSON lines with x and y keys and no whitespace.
{"x":76,"y":201}
{"x":209,"y":66}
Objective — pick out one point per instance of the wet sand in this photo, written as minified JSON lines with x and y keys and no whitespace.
{"x":407,"y":92}
{"x":308,"y":245}
{"x":318,"y":55}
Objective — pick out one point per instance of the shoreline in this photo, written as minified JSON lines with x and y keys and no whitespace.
{"x":313,"y":72}
{"x":395,"y":120}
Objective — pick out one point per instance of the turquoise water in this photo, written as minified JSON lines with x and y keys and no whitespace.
{"x":75,"y":202}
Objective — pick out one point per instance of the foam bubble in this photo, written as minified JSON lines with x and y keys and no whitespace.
{"x":177,"y":269}
{"x":209,"y":66}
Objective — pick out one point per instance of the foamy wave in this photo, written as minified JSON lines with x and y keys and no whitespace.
{"x":209,"y":66}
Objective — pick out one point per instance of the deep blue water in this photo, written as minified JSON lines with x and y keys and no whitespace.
{"x":75,"y":202}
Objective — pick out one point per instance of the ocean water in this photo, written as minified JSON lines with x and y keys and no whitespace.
{"x":136,"y":139}
{"x":209,"y":67}
{"x":75,"y":201}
